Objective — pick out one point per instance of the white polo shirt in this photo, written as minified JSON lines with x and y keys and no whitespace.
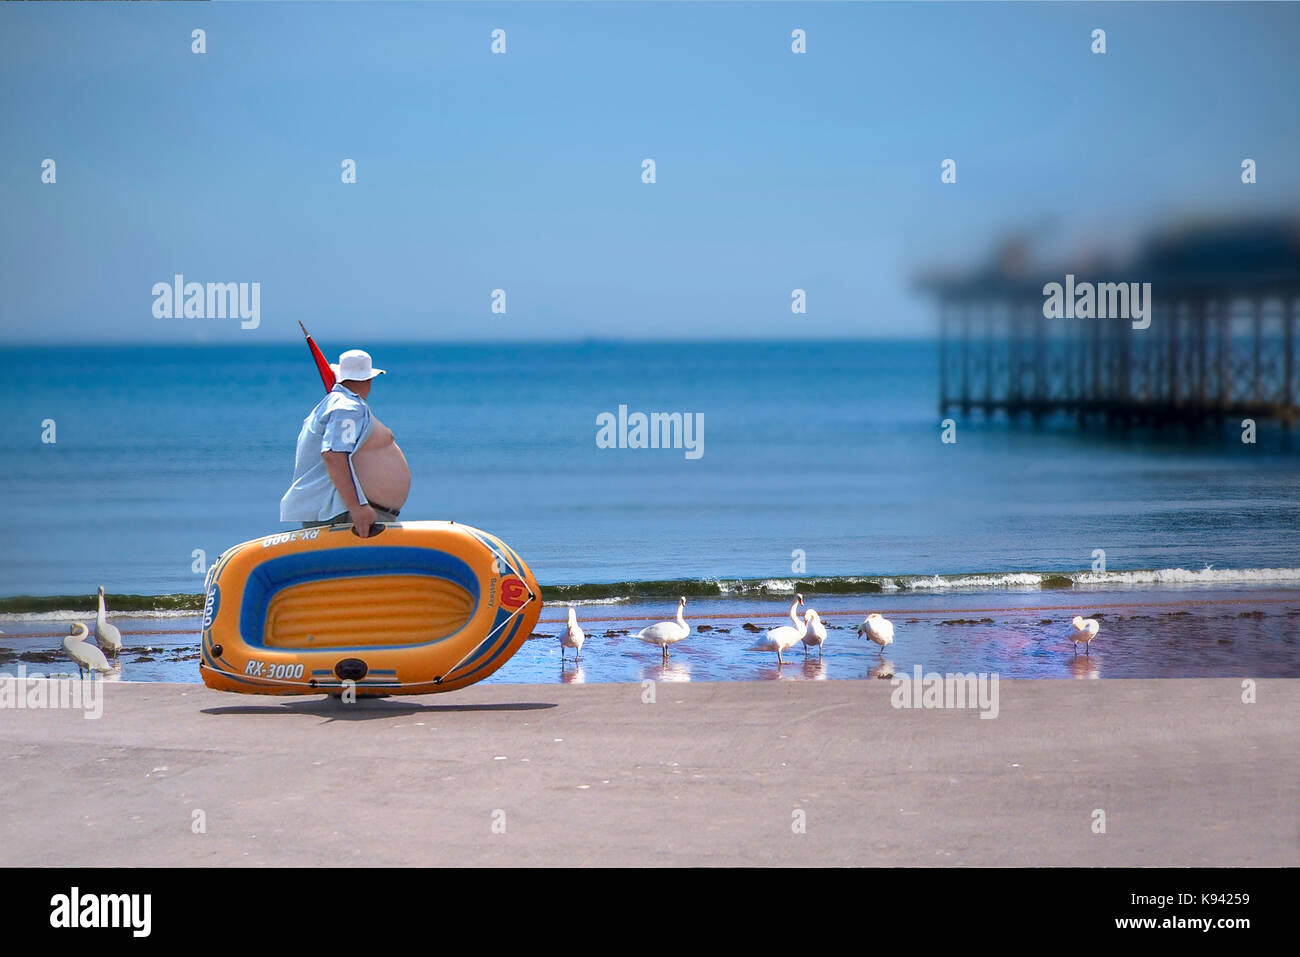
{"x":339,"y":423}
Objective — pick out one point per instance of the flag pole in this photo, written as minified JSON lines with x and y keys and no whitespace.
{"x":322,"y":364}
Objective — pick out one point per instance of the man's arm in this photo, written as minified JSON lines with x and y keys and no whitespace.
{"x":340,"y":470}
{"x":344,"y":427}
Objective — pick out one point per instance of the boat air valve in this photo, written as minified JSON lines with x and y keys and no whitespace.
{"x":351,"y":669}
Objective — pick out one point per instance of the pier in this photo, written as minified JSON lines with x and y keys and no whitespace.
{"x":1221,"y":344}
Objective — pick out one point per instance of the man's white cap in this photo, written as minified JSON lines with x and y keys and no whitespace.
{"x":354,"y":366}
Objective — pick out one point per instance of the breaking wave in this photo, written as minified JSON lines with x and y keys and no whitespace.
{"x":54,"y":608}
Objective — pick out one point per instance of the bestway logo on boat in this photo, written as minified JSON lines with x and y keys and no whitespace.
{"x":514,"y":593}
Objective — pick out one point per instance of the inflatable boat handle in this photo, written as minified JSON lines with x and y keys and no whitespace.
{"x":375,"y":529}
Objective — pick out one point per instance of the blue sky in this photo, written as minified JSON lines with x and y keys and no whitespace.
{"x":522,"y":171}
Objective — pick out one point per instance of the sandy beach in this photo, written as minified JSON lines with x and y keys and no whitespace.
{"x":710,"y":773}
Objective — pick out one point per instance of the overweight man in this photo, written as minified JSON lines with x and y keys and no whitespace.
{"x":348,"y":467}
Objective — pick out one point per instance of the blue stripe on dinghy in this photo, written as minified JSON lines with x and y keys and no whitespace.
{"x":510,"y":552}
{"x":501,"y":645}
{"x":271,"y":577}
{"x":485,"y":647}
{"x":488,"y":543}
{"x":501,"y":649}
{"x":492,"y":543}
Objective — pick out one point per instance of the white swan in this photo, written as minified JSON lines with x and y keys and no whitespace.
{"x":573,"y":636}
{"x":109,"y":638}
{"x":666,"y":633}
{"x":880,"y":630}
{"x":786,"y":636}
{"x":86,"y":655}
{"x":815,"y":634}
{"x":1085,"y":629}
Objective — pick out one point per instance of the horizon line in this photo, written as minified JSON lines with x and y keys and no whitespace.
{"x":585,"y":340}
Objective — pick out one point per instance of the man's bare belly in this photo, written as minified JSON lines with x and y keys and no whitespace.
{"x":381,"y":468}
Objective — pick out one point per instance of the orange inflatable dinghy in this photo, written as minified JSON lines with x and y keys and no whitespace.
{"x":416,"y":608}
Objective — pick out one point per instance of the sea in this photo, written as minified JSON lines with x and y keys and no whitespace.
{"x":815,"y":467}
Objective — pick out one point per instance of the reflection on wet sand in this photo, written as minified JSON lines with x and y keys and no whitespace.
{"x":667,"y":671}
{"x":1086,"y":666}
{"x":814,"y":669}
{"x":113,"y":675}
{"x":882,"y":669}
{"x":572,"y":674}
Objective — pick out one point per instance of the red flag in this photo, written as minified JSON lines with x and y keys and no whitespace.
{"x":322,"y":366}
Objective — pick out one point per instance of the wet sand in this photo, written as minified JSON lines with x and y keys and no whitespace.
{"x":709,"y":774}
{"x":1145,"y":633}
